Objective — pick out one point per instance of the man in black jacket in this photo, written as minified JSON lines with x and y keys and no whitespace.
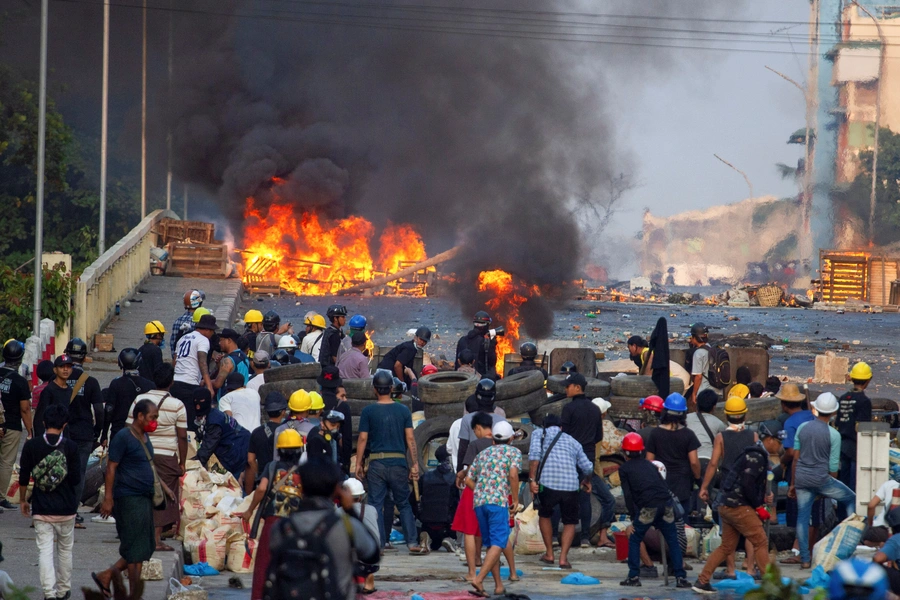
{"x":15,"y":404}
{"x":334,"y":334}
{"x":482,"y":346}
{"x":53,"y":461}
{"x":323,"y":442}
{"x":122,"y":391}
{"x":335,"y":398}
{"x":151,"y":352}
{"x":399,"y":360}
{"x":438,"y":503}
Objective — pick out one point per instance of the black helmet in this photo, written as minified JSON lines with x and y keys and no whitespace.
{"x":281,"y":356}
{"x":13,"y":351}
{"x":77,"y":349}
{"x":424,"y":334}
{"x":482,"y":319}
{"x":528,"y":351}
{"x":486,"y":390}
{"x":271,"y":321}
{"x":568,"y":367}
{"x":336,"y":310}
{"x":383,"y":382}
{"x":699,"y":331}
{"x":129,"y":359}
{"x":892,"y":519}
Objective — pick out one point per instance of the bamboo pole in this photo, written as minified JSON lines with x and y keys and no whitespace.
{"x":379,"y":281}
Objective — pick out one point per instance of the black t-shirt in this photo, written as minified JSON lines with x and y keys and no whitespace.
{"x":582,"y":420}
{"x":151,"y":358}
{"x":81,"y":418}
{"x":61,"y":501}
{"x":671,"y":449}
{"x":855,"y":407}
{"x":262,"y":445}
{"x":13,"y":390}
{"x":331,"y":340}
{"x":52,"y":394}
{"x":120,"y":396}
{"x":404,"y":353}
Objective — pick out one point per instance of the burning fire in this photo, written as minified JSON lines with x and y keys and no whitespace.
{"x":505,"y":296}
{"x":311,"y":255}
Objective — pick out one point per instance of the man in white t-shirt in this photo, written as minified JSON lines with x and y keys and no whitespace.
{"x":877,"y":532}
{"x":699,"y":361}
{"x":240,"y":402}
{"x":169,"y":442}
{"x":191,"y":366}
{"x":259,"y":364}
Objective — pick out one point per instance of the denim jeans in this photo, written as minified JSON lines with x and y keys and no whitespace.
{"x":84,"y":453}
{"x":607,"y":504}
{"x":381,"y":478}
{"x":805,"y":497}
{"x":664,"y":521}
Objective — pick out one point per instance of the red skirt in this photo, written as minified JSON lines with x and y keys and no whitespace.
{"x":464,"y":520}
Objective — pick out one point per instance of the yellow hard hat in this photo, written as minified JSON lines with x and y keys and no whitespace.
{"x":154,"y":328}
{"x":199,"y":312}
{"x":253,"y":316}
{"x":317,"y":321}
{"x":288,"y":439}
{"x":307,"y":318}
{"x":735,"y":406}
{"x":316,"y":402}
{"x":739,"y":391}
{"x":861,"y":371}
{"x":299,"y":401}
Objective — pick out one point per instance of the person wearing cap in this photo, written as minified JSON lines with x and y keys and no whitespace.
{"x":855,"y":408}
{"x":192,"y":365}
{"x":56,"y":392}
{"x":240,"y":402}
{"x":15,"y":399}
{"x":353,"y":363}
{"x":638,"y":349}
{"x":151,"y":350}
{"x":259,"y":364}
{"x":564,"y":469}
{"x":261,"y":448}
{"x":322,"y":442}
{"x":492,"y":476}
{"x":369,"y":518}
{"x":699,"y":360}
{"x":335,"y":397}
{"x":399,"y":360}
{"x":221,"y":435}
{"x":234,"y":361}
{"x":582,"y":420}
{"x":815,"y":469}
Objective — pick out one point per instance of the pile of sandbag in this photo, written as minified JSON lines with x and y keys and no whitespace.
{"x":211,"y":527}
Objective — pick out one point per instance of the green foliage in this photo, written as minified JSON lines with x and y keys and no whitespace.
{"x":18,"y":593}
{"x":773,"y":588}
{"x":17,"y":300}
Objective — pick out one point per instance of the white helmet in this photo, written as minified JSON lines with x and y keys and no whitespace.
{"x":660,"y":467}
{"x":287,"y":342}
{"x":354,"y":486}
{"x":602,"y":404}
{"x":826,"y":404}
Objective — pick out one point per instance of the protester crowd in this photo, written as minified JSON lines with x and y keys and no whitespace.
{"x":309,"y":488}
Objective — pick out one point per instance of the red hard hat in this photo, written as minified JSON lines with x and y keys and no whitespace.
{"x":652,"y":403}
{"x":633,"y":443}
{"x":429,"y":369}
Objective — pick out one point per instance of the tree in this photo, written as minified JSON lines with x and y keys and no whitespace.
{"x":602,"y":203}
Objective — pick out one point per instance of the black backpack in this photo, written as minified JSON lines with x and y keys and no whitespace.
{"x":302,"y":566}
{"x":719,"y":373}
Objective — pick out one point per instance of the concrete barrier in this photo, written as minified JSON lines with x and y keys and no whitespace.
{"x":114,"y":276}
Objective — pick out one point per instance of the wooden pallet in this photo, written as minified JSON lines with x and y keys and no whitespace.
{"x":188,"y":259}
{"x":171,"y":230}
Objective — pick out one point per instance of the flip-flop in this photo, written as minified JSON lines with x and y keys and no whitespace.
{"x":516,"y":580}
{"x":794,"y":560}
{"x":565,"y":566}
{"x":103,"y":588}
{"x":502,"y":592}
{"x":479,"y":594}
{"x":79,"y":526}
{"x":607,"y":544}
{"x":547,"y":561}
{"x":366,"y":592}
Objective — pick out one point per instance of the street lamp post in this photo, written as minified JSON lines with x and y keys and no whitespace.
{"x":104,"y":127}
{"x":39,"y":200}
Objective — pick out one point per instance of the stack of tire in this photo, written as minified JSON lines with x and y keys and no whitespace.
{"x":596,"y":388}
{"x":627,"y":391}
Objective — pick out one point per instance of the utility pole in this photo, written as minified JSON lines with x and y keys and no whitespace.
{"x":42,"y":135}
{"x":104,"y":130}
{"x":169,"y":136}
{"x":144,"y":119}
{"x":747,"y":179}
{"x":184,"y":215}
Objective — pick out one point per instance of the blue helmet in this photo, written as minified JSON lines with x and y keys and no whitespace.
{"x":357,"y":322}
{"x":855,"y":578}
{"x":675,"y":402}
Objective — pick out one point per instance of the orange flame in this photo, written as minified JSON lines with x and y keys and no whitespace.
{"x":505,"y":298}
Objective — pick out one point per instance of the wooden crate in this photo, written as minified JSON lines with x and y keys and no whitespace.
{"x":882,"y":271}
{"x":198,"y":260}
{"x":103,"y":342}
{"x":171,"y":230}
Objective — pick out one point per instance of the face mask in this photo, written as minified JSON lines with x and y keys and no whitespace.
{"x":151,"y":426}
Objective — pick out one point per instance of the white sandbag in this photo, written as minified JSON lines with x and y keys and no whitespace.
{"x":238,"y":560}
{"x":212,"y":548}
{"x":528,"y":536}
{"x":839,"y":544}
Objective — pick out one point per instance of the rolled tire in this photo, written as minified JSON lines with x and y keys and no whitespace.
{"x":357,"y":406}
{"x":641,"y":386}
{"x":447,"y":387}
{"x":523,"y":404}
{"x":596,"y":388}
{"x":520,"y":384}
{"x":430,"y":429}
{"x":554,"y":408}
{"x":455,"y":410}
{"x":360,"y":389}
{"x":295,"y":371}
{"x":523,"y":444}
{"x":624,"y":408}
{"x":286,"y":388}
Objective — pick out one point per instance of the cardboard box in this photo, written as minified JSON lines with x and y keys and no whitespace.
{"x":103,"y":342}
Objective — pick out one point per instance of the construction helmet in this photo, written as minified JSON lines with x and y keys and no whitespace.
{"x":315,"y":401}
{"x":289,"y":439}
{"x":154,"y":328}
{"x":199,"y":313}
{"x":13,"y":351}
{"x":633,"y":443}
{"x":253,"y":316}
{"x":739,"y":391}
{"x":307,"y":318}
{"x":129,"y":359}
{"x":336,"y":310}
{"x":482,"y":319}
{"x":861,"y":371}
{"x":271,"y":321}
{"x":299,"y":402}
{"x":735,"y":406}
{"x":77,"y":349}
{"x":675,"y":402}
{"x":858,"y":579}
{"x":318,"y":321}
{"x":652,"y":403}
{"x":429,"y":370}
{"x":354,"y":487}
{"x":287,"y":342}
{"x":528,"y":351}
{"x":193,"y":299}
{"x":357,"y":322}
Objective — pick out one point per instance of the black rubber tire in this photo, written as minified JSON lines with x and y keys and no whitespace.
{"x":428,"y":430}
{"x":523,"y":404}
{"x":455,"y":410}
{"x":360,"y":389}
{"x":287,"y":388}
{"x":624,"y":408}
{"x":520,"y":384}
{"x":641,"y":386}
{"x":554,"y":408}
{"x":295,"y":371}
{"x":596,"y":388}
{"x":447,"y":387}
{"x":523,"y":443}
{"x":356,"y":406}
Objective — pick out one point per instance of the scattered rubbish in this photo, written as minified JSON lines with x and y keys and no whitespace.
{"x":856,"y":342}
{"x":201,"y":569}
{"x":626,"y":316}
{"x":235,"y":582}
{"x":778,"y":347}
{"x":580,"y":579}
{"x":576,"y":328}
{"x":591,"y":315}
{"x":839,"y":311}
{"x":397,"y":537}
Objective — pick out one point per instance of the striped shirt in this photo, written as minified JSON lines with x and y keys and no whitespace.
{"x":171,"y":415}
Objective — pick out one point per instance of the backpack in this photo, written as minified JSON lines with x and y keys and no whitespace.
{"x":719,"y":373}
{"x":51,"y":470}
{"x":241,"y":364}
{"x":302,"y":565}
